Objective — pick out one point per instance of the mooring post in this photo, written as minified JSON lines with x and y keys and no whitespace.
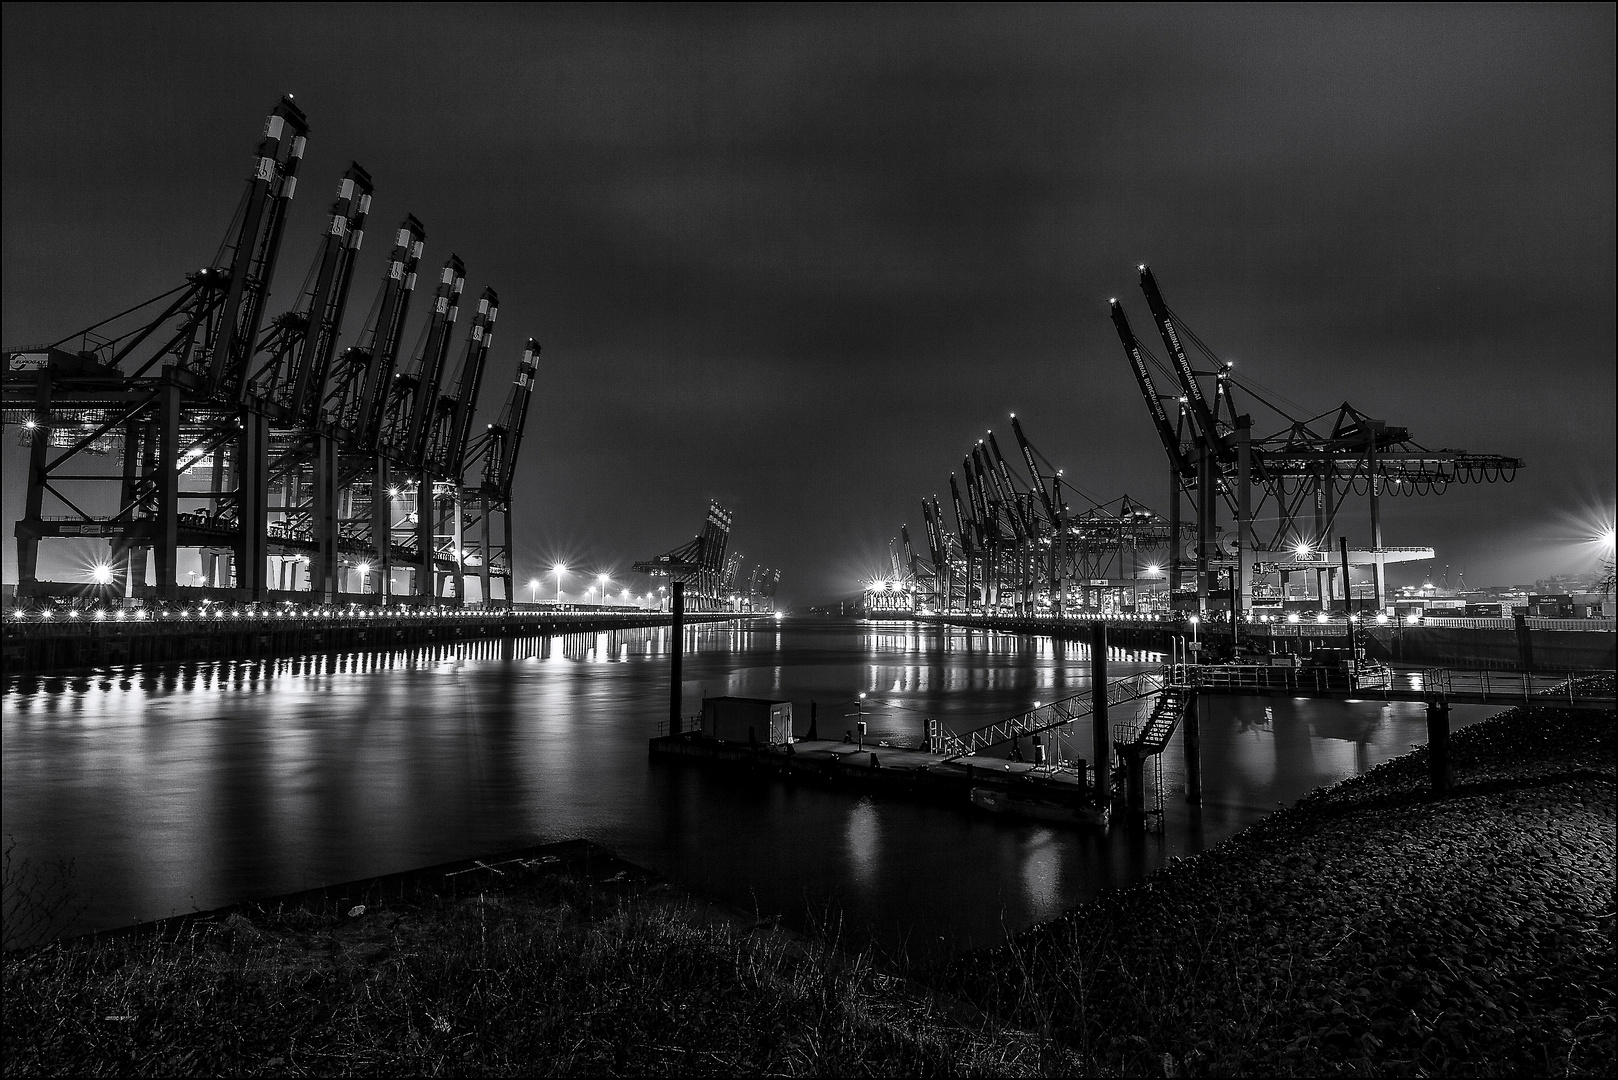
{"x":676,"y":697}
{"x":1525,"y":642}
{"x":1438,"y":744}
{"x":1193,"y":751}
{"x":1135,"y":782}
{"x":1102,"y":748}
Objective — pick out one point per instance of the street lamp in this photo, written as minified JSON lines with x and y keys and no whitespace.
{"x":601,"y":589}
{"x":533,"y":590}
{"x":559,"y":569}
{"x":859,"y":713}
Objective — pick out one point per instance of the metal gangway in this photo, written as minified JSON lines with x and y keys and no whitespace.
{"x":1046,"y":717}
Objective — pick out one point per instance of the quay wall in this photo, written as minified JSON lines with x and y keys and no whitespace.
{"x":33,"y":647}
{"x":1594,"y":649}
{"x":1472,"y":647}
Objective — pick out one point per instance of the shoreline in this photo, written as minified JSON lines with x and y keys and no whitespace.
{"x":1367,"y":927}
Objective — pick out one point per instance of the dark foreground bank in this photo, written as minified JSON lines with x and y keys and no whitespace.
{"x":1367,"y":929}
{"x":563,"y":960}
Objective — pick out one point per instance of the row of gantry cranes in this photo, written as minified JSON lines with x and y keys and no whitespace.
{"x":1283,"y":484}
{"x":291,"y":468}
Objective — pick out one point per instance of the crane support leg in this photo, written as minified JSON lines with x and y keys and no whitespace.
{"x":483,"y":550}
{"x":167,"y":537}
{"x":426,"y":580}
{"x":382,"y":527}
{"x":1242,"y":594}
{"x":456,"y":530}
{"x":252,"y":502}
{"x":324,"y":503}
{"x":1205,"y":524}
{"x":1377,"y":558}
{"x":1175,"y":552}
{"x":34,"y":505}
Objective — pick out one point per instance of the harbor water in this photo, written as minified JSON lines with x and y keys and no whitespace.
{"x":191,"y":786}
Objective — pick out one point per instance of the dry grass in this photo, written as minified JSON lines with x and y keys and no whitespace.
{"x":551,"y":975}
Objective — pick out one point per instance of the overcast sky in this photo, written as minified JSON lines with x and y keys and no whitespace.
{"x":799,"y":259}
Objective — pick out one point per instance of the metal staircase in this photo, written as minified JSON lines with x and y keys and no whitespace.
{"x":1034,"y":721}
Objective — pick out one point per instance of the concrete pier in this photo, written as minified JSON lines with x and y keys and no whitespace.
{"x":896,"y":771}
{"x":35,"y":646}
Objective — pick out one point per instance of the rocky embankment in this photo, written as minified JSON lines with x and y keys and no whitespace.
{"x":1369,"y":928}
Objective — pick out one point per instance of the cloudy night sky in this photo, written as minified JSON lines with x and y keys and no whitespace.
{"x":798,"y":259}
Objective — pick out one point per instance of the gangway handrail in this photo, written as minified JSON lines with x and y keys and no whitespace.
{"x":1129,"y":688}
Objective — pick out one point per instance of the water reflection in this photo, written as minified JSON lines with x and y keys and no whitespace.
{"x":194,"y":785}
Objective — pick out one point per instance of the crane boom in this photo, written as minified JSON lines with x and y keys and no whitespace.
{"x":311,"y":364}
{"x":247,"y":283}
{"x":1022,"y":524}
{"x":1027,"y":449}
{"x":505,"y":436}
{"x":963,"y":526}
{"x":453,"y":422}
{"x":1148,"y":389}
{"x":988,"y":506}
{"x":1200,"y":413}
{"x":910,"y":554}
{"x":360,"y":401}
{"x":935,"y":532}
{"x":417,"y":394}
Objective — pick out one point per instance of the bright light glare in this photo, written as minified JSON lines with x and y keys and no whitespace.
{"x":101,"y":573}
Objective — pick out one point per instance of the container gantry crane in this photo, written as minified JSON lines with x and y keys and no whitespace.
{"x":294,"y":440}
{"x":1282,"y":491}
{"x":1021,"y":548}
{"x":699,"y":563}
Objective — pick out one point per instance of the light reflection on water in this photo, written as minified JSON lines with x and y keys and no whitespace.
{"x":196,"y":785}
